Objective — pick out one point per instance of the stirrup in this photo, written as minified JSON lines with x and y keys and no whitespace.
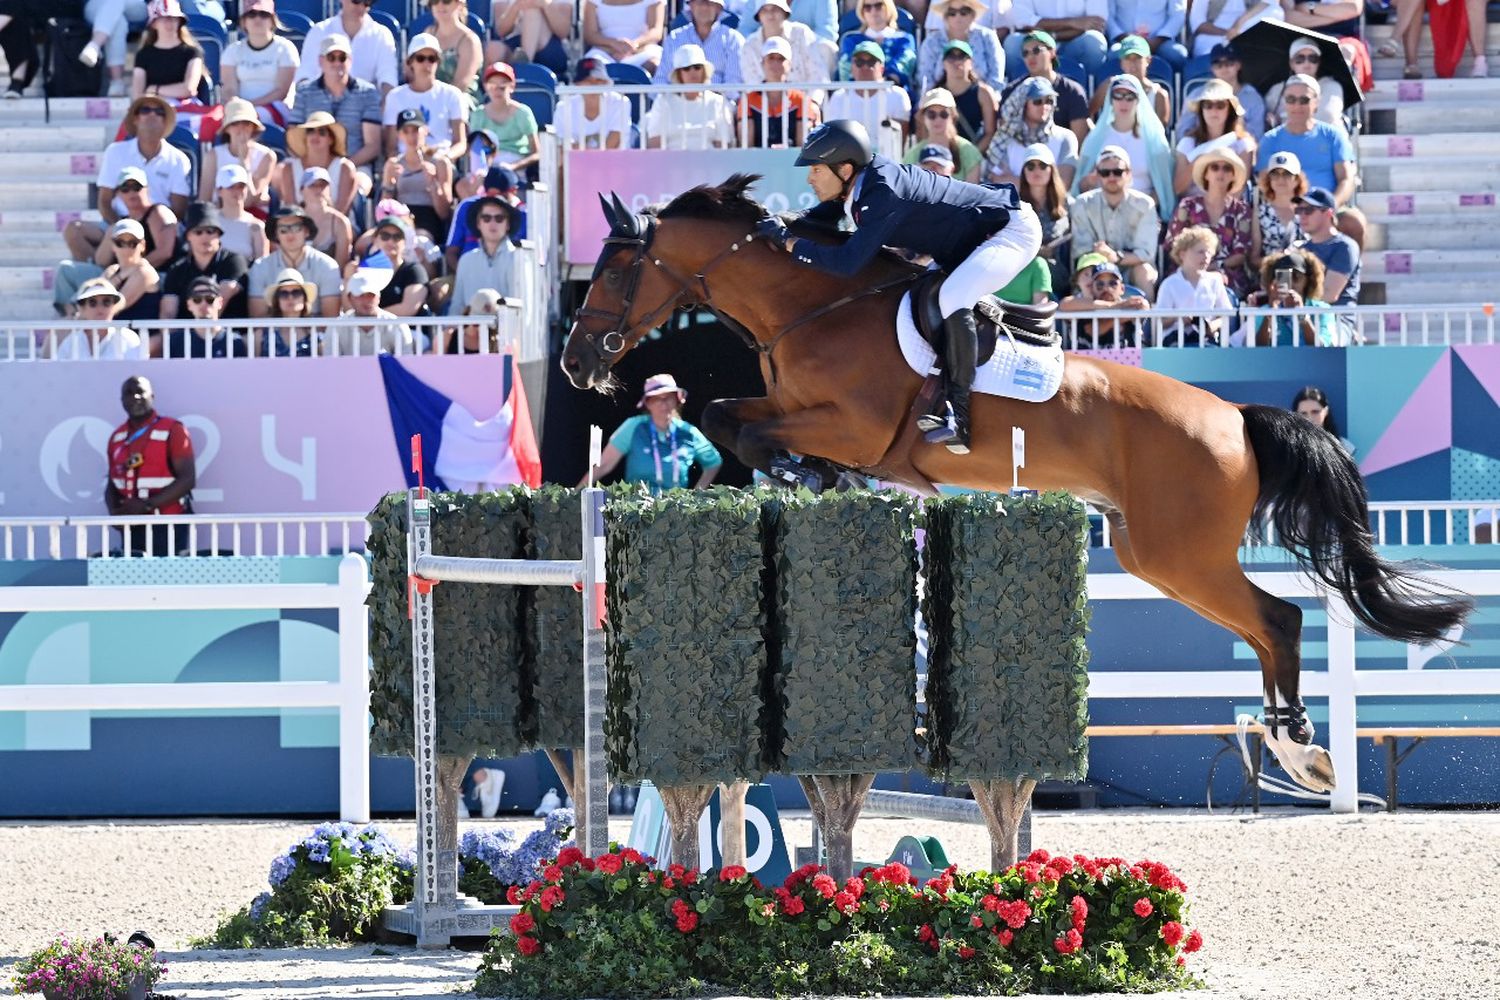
{"x":793,"y":473}
{"x":948,"y":433}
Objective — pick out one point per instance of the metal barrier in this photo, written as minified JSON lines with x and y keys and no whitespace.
{"x":530,"y":293}
{"x":1380,"y":326}
{"x":203,"y":535}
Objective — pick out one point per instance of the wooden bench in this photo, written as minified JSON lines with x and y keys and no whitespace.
{"x":1389,"y":736}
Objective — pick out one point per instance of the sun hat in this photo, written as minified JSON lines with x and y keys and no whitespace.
{"x":1216,"y":90}
{"x":262,"y":7}
{"x":660,"y":385}
{"x":296,"y":212}
{"x":871,"y":49}
{"x":978,"y":6}
{"x":938,"y":97}
{"x":688,"y":56}
{"x":1284,"y":160}
{"x":958,"y":45}
{"x":135,"y":107}
{"x":499,"y":69}
{"x":296,"y":135}
{"x":1220,"y":154}
{"x":128,"y":174}
{"x":237,"y":110}
{"x":369,"y":281}
{"x":423,"y":42}
{"x":291,"y":276}
{"x":1132,"y":45}
{"x":477,"y":205}
{"x":935,"y":152}
{"x":127,"y":227}
{"x":203,"y":215}
{"x":231,"y":174}
{"x":336,"y":42}
{"x":164,"y":8}
{"x":776,"y":46}
{"x":1039,"y":151}
{"x":95,"y":287}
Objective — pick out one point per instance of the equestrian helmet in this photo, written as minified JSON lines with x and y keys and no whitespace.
{"x":842,"y":140}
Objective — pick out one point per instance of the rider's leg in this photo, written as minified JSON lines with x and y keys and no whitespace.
{"x":988,"y":269}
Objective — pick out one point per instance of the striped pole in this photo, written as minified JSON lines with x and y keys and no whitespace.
{"x":592,"y":793}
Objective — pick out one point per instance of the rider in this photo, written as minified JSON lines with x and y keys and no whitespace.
{"x":981,"y":236}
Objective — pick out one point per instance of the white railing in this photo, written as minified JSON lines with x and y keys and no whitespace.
{"x":1380,"y":326}
{"x":188,"y":535}
{"x":350,"y":694}
{"x":41,"y":340}
{"x":529,"y":285}
{"x":541,"y":229}
{"x":1343,"y":683}
{"x":1415,"y":522}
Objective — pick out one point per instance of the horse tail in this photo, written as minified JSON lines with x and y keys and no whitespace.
{"x":1314,"y":496}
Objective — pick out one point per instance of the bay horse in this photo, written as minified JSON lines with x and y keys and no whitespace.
{"x":1178,"y":472}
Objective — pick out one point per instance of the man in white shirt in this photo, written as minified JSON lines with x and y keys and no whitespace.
{"x":384,"y":335}
{"x":445,"y":109}
{"x":374,"y":48}
{"x":147,"y":124}
{"x":870,"y":106}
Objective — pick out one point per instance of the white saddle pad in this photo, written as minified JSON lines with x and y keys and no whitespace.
{"x":1017,"y":370}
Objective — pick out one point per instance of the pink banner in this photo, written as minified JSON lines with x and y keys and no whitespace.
{"x":271,"y":435}
{"x":644,"y":177}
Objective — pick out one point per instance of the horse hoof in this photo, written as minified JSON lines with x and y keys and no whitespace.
{"x":1310,"y":766}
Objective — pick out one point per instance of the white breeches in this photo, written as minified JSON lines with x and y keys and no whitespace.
{"x":994,"y":263}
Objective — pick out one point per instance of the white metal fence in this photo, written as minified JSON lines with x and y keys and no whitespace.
{"x":194,"y":536}
{"x":1379,"y":326}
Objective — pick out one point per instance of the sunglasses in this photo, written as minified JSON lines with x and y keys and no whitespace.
{"x":126,"y":244}
{"x":204,"y":300}
{"x":290,"y":293}
{"x":393,"y":235}
{"x":960,"y":12}
{"x":1113,"y":171}
{"x":295,"y":227}
{"x":364,"y":3}
{"x":97,"y":302}
{"x":129,"y":187}
{"x":1294,"y":99}
{"x":1220,"y":168}
{"x":423,"y":59}
{"x":1308,"y":210}
{"x":324,"y":132}
{"x":936,"y":114}
{"x":1213,"y":105}
{"x":151,"y":109}
{"x":1278,"y":174}
{"x":1032,"y":50}
{"x":255,"y":15}
{"x":204,"y":231}
{"x":1307,"y":57}
{"x":1037,"y":165}
{"x":335,"y":57}
{"x":1108,"y":281}
{"x":864,"y":62}
{"x":872,"y":6}
{"x":492,"y":217}
{"x":443,"y":3}
{"x":1124,"y":95}
{"x":1041,"y":100}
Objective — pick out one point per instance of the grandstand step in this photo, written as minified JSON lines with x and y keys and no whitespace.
{"x":1441,"y":292}
{"x":1397,"y":93}
{"x":64,"y":111}
{"x":1391,"y":69}
{"x":83,"y":167}
{"x":1396,"y":266}
{"x":1430,"y":173}
{"x":1476,"y":235}
{"x":1432,"y":117}
{"x":36,"y":248}
{"x":39,"y":221}
{"x":1383,"y":206}
{"x":1433,"y":145}
{"x":37,"y":306}
{"x":28,"y":281}
{"x":41,"y":138}
{"x":62,"y":196}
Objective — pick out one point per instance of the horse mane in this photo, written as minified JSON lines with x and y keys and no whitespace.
{"x":727,"y":202}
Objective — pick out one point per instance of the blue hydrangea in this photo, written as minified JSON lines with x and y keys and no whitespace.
{"x":559,"y":823}
{"x":258,"y":906}
{"x":282,"y":868}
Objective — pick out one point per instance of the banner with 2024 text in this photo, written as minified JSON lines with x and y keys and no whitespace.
{"x":644,"y":177}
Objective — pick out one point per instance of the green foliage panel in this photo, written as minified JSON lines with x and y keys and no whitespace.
{"x":1006,"y":608}
{"x":845,"y":572}
{"x":686,"y":645}
{"x":481,"y":689}
{"x":555,"y":635}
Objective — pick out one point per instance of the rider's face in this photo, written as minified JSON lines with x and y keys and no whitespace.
{"x":826,"y":184}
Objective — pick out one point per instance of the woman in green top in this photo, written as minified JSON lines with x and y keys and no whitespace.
{"x":937,"y":122}
{"x":510,"y":122}
{"x":462,"y":52}
{"x":658,"y":446}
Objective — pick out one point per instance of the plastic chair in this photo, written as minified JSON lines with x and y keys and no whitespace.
{"x":213,"y":52}
{"x":297,"y":24}
{"x":535,"y":75}
{"x":625,"y":73}
{"x":182,"y":138}
{"x":1073,"y":70}
{"x":401,"y":10}
{"x":540,"y":100}
{"x":208,"y":27}
{"x":274,"y":137}
{"x":313,"y":10}
{"x":1197,"y":68}
{"x":391,"y":24}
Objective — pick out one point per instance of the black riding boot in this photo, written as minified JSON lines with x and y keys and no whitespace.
{"x":960,"y":347}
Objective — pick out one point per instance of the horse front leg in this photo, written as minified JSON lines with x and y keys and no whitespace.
{"x":724,"y":422}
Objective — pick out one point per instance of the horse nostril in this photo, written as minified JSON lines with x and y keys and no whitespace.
{"x":570,"y":363}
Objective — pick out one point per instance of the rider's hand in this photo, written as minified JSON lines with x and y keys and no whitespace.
{"x":774,"y":232}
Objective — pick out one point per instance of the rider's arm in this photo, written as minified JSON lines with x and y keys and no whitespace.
{"x":829,"y":212}
{"x":859,"y":250}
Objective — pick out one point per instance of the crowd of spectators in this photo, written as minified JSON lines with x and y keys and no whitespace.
{"x":345,"y":164}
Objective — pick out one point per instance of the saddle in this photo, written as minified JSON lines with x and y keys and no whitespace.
{"x":1028,"y":323}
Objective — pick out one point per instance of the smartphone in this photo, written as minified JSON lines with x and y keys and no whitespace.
{"x":1283,"y":280}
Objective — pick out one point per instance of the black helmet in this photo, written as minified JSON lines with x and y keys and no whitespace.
{"x":842,"y":140}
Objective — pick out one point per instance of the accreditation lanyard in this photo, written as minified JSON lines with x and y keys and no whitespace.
{"x":656,"y":455}
{"x":132,"y":439}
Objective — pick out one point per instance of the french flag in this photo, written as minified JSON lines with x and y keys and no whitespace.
{"x":461,"y":451}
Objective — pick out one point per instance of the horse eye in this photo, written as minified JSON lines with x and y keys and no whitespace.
{"x":612,"y":276}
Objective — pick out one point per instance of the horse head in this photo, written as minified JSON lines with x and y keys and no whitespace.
{"x":626,"y":299}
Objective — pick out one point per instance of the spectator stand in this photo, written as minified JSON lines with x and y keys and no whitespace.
{"x":313,"y":10}
{"x":395,"y":27}
{"x":476,"y":24}
{"x":728,"y":19}
{"x":203,"y":26}
{"x":849,"y":21}
{"x":297,"y":24}
{"x":634,"y":78}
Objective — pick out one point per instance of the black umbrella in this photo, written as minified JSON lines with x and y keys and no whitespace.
{"x":1264,"y":48}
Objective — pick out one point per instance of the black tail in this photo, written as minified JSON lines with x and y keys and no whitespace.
{"x":1316,"y":500}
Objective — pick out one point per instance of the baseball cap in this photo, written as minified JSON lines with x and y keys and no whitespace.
{"x":129,"y":174}
{"x":312,"y":175}
{"x":871,"y":49}
{"x":1045,"y":37}
{"x":335,"y":43}
{"x":1318,"y":198}
{"x":1285,"y":160}
{"x":935,"y":153}
{"x":1089,"y":261}
{"x":590,"y":69}
{"x":399,"y":222}
{"x":776,"y":46}
{"x":410,"y":116}
{"x":1113,"y":152}
{"x":502,"y":179}
{"x":1107,"y":267}
{"x":1039,"y":151}
{"x":1310,"y":82}
{"x":959,"y":45}
{"x":203,"y":285}
{"x":369,"y":281}
{"x":499,"y":69}
{"x":1224,"y":52}
{"x":1037,"y":88}
{"x":129,"y":227}
{"x":1303,"y":43}
{"x":231,"y":174}
{"x":1132,"y":45}
{"x":423,"y":42}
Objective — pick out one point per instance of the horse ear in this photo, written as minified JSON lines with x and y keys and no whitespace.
{"x":628,"y":222}
{"x":609,"y":214}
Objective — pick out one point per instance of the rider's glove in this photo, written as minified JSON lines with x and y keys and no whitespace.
{"x":773,"y":231}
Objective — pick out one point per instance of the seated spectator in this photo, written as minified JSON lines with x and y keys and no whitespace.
{"x":1339,"y":18}
{"x":370,"y":46}
{"x":873,"y":108}
{"x":1406,"y":39}
{"x":936,"y":158}
{"x":1193,"y":287}
{"x":1325,"y":153}
{"x":205,"y":258}
{"x":721,"y":44}
{"x":1211,"y":24}
{"x":1291,"y":279}
{"x":169,"y":62}
{"x":290,"y":232}
{"x":320,"y":141}
{"x":1104,"y":291}
{"x":110,"y":20}
{"x":237,"y":144}
{"x":936,"y":117}
{"x":1032,"y":286}
{"x":822,"y":16}
{"x":599,"y":119}
{"x":531,"y":31}
{"x":18,"y":31}
{"x":499,"y":182}
{"x":98,"y":301}
{"x":1135,"y":57}
{"x":877,"y":23}
{"x":698,"y":119}
{"x":204,"y":336}
{"x":1225,"y":65}
{"x":443,"y":109}
{"x":628,"y":31}
{"x":287,"y":297}
{"x":91,"y":250}
{"x":420,"y":247}
{"x":469,"y":338}
{"x":490,"y":264}
{"x":138,"y":282}
{"x":958,"y":23}
{"x":419,"y":178}
{"x":1316,"y":210}
{"x":1218,"y":120}
{"x":510,"y":123}
{"x":1223,"y":209}
{"x":1039,"y":53}
{"x":405,"y":293}
{"x":1129,"y":124}
{"x":975,"y":102}
{"x":1041,"y":186}
{"x":1117,"y":221}
{"x":147,"y":124}
{"x":460,"y":50}
{"x":261,"y":65}
{"x":775,"y":118}
{"x":1306,"y":60}
{"x":244,"y":234}
{"x":812,"y":57}
{"x":1079,"y":26}
{"x":384,"y":335}
{"x":1026,"y":120}
{"x":1155,"y":22}
{"x":336,"y":96}
{"x":335,"y":232}
{"x":1274,"y":200}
